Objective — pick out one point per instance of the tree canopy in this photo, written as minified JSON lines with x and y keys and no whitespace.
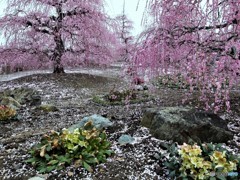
{"x":196,"y":39}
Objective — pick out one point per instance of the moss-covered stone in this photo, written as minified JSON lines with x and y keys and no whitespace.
{"x":121,"y":98}
{"x":22,"y":95}
{"x":11,"y":102}
{"x":48,"y":108}
{"x":185,"y":124}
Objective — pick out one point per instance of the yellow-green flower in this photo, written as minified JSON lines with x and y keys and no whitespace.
{"x":207,"y":165}
{"x":217,"y":154}
{"x":197,"y":162}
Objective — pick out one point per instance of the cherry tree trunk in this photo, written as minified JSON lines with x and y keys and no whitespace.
{"x":57,"y":55}
{"x":58,"y":70}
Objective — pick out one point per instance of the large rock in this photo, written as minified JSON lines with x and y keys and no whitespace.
{"x":184,"y":124}
{"x":22,"y":95}
{"x":98,"y":121}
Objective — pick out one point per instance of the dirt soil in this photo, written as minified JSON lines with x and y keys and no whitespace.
{"x":72,"y":95}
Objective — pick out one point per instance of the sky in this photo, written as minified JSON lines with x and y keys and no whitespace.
{"x":115,"y":7}
{"x":133,"y":10}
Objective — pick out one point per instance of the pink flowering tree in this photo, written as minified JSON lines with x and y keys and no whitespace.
{"x":56,"y":34}
{"x":198,"y":40}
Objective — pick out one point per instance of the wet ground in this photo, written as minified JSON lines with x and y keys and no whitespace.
{"x":72,"y":94}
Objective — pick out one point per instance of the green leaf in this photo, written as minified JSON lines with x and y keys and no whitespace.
{"x":49,"y":148}
{"x":109,"y":152}
{"x":31,"y":160}
{"x":47,"y":157}
{"x":169,"y":165}
{"x":210,"y":147}
{"x":52,"y":162}
{"x":221,"y":177}
{"x":92,"y":160}
{"x":87,"y":167}
{"x":59,"y":167}
{"x":103,"y":136}
{"x":173,"y":150}
{"x":42,"y":170}
{"x":50,"y":168}
{"x":204,"y":149}
{"x":218,"y":146}
{"x":212,"y":178}
{"x":172,"y":174}
{"x":219,"y":169}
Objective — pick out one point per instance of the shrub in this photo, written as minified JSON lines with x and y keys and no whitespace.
{"x":6,"y":112}
{"x":206,"y":161}
{"x":114,"y":96}
{"x":84,"y":147}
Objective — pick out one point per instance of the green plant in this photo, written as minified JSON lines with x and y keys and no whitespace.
{"x":173,"y":162}
{"x":198,"y":162}
{"x":193,"y":164}
{"x":99,"y":100}
{"x":84,"y":147}
{"x":114,"y":96}
{"x":6,"y":112}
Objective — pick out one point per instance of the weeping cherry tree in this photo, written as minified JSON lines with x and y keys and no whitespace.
{"x":198,"y":40}
{"x":56,"y":34}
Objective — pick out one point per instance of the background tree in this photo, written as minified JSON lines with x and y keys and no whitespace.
{"x":198,"y":39}
{"x":58,"y":33}
{"x":124,"y":27}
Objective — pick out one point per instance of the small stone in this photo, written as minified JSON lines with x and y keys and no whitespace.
{"x":156,"y":156}
{"x":99,"y":122}
{"x":36,"y":178}
{"x":139,"y":87}
{"x":158,"y":170}
{"x":70,"y":173}
{"x":36,"y":100}
{"x":145,"y":87}
{"x":163,"y":145}
{"x":125,"y":139}
{"x":48,"y":108}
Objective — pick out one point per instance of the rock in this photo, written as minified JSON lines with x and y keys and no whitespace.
{"x":36,"y":178}
{"x":186,"y":125}
{"x":48,"y":108}
{"x":145,"y":87}
{"x":98,"y":121}
{"x":36,"y":100}
{"x":139,"y":87}
{"x":125,"y":139}
{"x":4,"y":130}
{"x":22,"y":95}
{"x":9,"y":101}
